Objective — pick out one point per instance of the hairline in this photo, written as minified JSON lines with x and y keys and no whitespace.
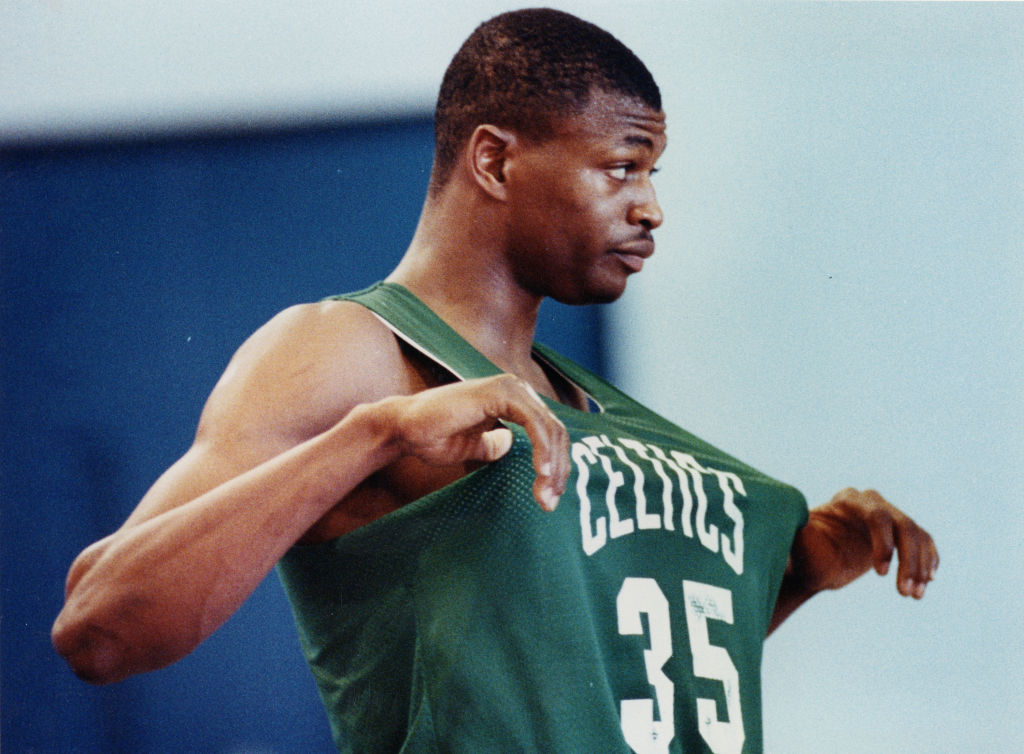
{"x":548,"y":130}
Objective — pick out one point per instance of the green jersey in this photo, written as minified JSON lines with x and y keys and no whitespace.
{"x":631,"y":618}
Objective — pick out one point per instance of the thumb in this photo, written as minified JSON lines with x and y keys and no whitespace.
{"x":495,"y":443}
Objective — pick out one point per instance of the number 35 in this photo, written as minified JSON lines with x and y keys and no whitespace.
{"x":703,"y":602}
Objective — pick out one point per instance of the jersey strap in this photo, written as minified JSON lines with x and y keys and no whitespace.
{"x":414,"y":322}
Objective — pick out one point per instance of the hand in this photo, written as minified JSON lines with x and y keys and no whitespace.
{"x":856,"y":531}
{"x":461,"y":422}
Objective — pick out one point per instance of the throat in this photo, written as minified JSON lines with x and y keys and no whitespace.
{"x":560,"y":387}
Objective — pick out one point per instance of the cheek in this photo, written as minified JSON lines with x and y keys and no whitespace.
{"x":586,"y":208}
{"x":571,"y":215}
{"x":596,"y":222}
{"x":594,"y":202}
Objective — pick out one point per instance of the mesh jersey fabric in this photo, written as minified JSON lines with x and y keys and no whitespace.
{"x":630,"y":618}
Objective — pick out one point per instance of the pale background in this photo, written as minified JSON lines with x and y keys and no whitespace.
{"x":836,"y":298}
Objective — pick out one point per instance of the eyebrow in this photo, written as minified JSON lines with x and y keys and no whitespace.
{"x":643,"y":141}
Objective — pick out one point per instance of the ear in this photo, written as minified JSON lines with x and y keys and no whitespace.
{"x":487,"y":152}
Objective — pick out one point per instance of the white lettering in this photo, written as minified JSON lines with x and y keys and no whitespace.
{"x":684,"y":488}
{"x":627,"y":514}
{"x":616,"y":526}
{"x":732,"y":485}
{"x":708,"y":534}
{"x":666,"y":484}
{"x":592,"y":540}
{"x":644,"y":519}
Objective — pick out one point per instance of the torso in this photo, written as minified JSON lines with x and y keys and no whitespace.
{"x":471,"y":604}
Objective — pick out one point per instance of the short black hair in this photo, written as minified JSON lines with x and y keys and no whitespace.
{"x":524,"y":69}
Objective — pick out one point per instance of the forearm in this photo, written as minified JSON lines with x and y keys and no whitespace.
{"x":792,"y":594}
{"x":150,"y":593}
{"x":803,"y":577}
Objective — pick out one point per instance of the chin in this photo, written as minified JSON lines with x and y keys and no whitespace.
{"x":603,"y":294}
{"x":606,"y":298}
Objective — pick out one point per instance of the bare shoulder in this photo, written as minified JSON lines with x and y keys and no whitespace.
{"x":303,"y":371}
{"x":294,"y":378}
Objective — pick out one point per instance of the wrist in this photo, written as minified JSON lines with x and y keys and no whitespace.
{"x":373,"y":428}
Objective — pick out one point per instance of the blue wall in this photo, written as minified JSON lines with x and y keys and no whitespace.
{"x":131,"y":272}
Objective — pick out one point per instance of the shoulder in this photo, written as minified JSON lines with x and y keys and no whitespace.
{"x":329,"y":335}
{"x":304,"y":370}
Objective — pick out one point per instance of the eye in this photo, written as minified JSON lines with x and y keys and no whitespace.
{"x":623,"y":172}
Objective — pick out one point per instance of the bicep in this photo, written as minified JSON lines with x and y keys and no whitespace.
{"x":291,"y":380}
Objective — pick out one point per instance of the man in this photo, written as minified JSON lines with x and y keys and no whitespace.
{"x":385,"y":449}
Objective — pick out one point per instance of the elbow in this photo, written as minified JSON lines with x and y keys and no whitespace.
{"x":106,"y":651}
{"x":101,"y":649}
{"x":108,"y":631}
{"x":94,"y":654}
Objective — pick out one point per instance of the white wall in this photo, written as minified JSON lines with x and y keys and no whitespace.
{"x":838,"y":299}
{"x":143,"y":66}
{"x":837,"y":295}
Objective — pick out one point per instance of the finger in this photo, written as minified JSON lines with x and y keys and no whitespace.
{"x":883,"y":540}
{"x":928,"y":561}
{"x":532,"y":392}
{"x":548,"y":439}
{"x":908,"y":575}
{"x":917,"y":554}
{"x":550,"y":444}
{"x":553,"y":472}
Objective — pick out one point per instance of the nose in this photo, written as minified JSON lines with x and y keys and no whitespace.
{"x":646,"y":211}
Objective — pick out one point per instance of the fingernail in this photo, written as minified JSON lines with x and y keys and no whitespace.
{"x":550,"y":498}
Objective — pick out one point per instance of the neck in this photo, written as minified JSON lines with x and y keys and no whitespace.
{"x":458,"y":269}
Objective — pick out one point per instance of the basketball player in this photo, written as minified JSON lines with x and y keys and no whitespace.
{"x":401,"y":453}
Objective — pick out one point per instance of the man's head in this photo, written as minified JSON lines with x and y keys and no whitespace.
{"x":524,"y":69}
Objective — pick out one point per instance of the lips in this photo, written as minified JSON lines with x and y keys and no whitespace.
{"x":633,"y":254}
